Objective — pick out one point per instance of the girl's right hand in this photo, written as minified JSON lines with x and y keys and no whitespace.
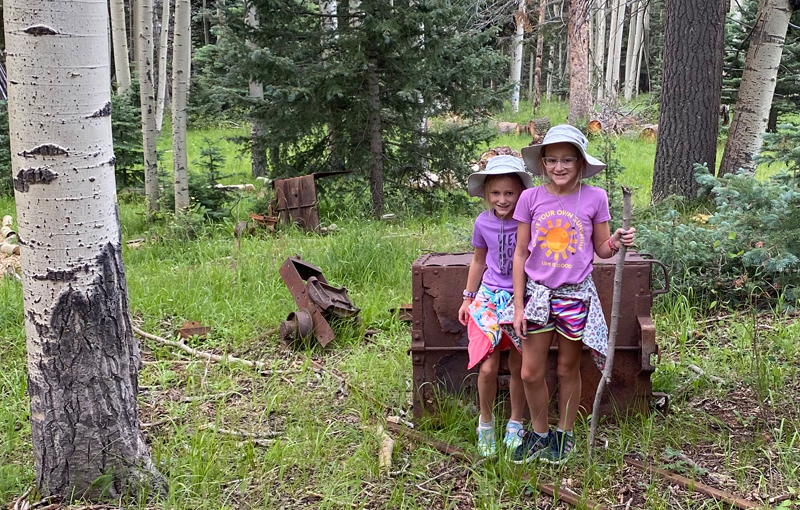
{"x":463,"y":312}
{"x":520,"y":324}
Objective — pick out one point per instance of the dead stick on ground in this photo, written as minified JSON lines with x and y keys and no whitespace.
{"x":200,"y":354}
{"x":612,"y":332}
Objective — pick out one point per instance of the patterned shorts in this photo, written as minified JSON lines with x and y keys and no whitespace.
{"x":567,"y":318}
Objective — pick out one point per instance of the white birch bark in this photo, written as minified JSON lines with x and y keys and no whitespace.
{"x":258,"y":153}
{"x":549,"y":93}
{"x":614,"y":48}
{"x":537,"y":71}
{"x":516,"y":45}
{"x":625,"y":83}
{"x":751,"y":111}
{"x":632,"y":77}
{"x":146,"y":95}
{"x":615,"y":79}
{"x":82,"y":357}
{"x":119,"y":35}
{"x":163,"y":47}
{"x":600,"y":48}
{"x":181,"y":55}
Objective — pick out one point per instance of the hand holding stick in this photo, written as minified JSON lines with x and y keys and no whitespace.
{"x":612,"y":332}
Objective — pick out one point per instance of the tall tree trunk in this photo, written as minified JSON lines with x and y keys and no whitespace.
{"x":641,"y":11}
{"x":136,"y":30}
{"x":82,"y":358}
{"x":690,"y":97}
{"x":146,"y":95}
{"x":614,"y":49}
{"x":258,"y":150}
{"x":206,"y":28}
{"x":516,"y":43}
{"x":751,"y":111}
{"x":600,"y":47}
{"x":162,"y":65}
{"x":615,"y":80}
{"x":375,"y":133}
{"x":531,"y":65}
{"x":181,"y":55}
{"x":122,"y":66}
{"x":580,"y":99}
{"x":629,"y":65}
{"x":537,"y":73}
{"x":550,"y":74}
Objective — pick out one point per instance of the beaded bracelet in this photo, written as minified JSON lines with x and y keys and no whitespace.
{"x":614,"y":249}
{"x":470,"y":295}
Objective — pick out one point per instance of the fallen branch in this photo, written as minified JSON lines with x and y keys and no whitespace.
{"x":700,"y":468}
{"x":200,"y":354}
{"x":699,"y":371}
{"x":385,"y":454}
{"x":240,"y":433}
{"x":612,"y":331}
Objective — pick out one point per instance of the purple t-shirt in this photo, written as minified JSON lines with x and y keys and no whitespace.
{"x":561,"y":249}
{"x":499,"y":237}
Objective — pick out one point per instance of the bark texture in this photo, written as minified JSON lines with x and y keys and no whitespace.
{"x":752,"y":110}
{"x":375,"y":135}
{"x":516,"y":65}
{"x":147,"y":97}
{"x":537,"y":72}
{"x":119,"y":35}
{"x":580,"y":99}
{"x":692,"y":70}
{"x":163,"y":47}
{"x":181,"y":56}
{"x":600,"y":47}
{"x":82,"y":357}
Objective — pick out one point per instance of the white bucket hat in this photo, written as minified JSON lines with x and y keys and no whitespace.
{"x":532,"y":155}
{"x":498,"y":165}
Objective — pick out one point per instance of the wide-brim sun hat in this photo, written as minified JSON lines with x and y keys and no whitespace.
{"x":532,"y":155}
{"x":498,"y":165}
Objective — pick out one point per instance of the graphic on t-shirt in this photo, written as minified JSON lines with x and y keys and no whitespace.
{"x":506,"y":244}
{"x":559,"y":238}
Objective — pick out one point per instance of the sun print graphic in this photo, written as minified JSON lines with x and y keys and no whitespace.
{"x":558,"y":239}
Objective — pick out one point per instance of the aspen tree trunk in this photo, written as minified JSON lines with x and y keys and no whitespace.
{"x":591,"y":10}
{"x":530,"y":76}
{"x":580,"y":99}
{"x":600,"y":48}
{"x":119,"y":35}
{"x":206,"y":34}
{"x":626,"y":82}
{"x":136,"y":30}
{"x":181,"y":55}
{"x":329,"y":25}
{"x":751,"y":111}
{"x":162,"y":65}
{"x":82,"y":357}
{"x":516,"y":44}
{"x":615,"y":81}
{"x":632,"y":83}
{"x":537,"y":73}
{"x":614,"y":50}
{"x":146,"y":95}
{"x":550,"y":74}
{"x":258,"y":150}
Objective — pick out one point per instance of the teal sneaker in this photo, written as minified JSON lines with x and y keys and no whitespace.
{"x":560,"y":449}
{"x":486,"y":441}
{"x":512,"y":439}
{"x":532,"y":446}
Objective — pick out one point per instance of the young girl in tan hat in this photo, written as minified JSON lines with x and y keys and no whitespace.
{"x":563,"y":223}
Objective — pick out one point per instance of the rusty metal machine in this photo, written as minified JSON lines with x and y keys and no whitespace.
{"x":296,"y":199}
{"x":439,"y":342}
{"x":316,"y":300}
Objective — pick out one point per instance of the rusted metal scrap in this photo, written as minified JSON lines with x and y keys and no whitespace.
{"x":316,"y":300}
{"x":296,"y":199}
{"x":192,"y":328}
{"x":439,"y":342}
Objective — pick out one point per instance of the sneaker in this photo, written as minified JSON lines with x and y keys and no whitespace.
{"x":560,"y":449}
{"x":486,"y":442}
{"x":512,"y":439}
{"x":532,"y":445}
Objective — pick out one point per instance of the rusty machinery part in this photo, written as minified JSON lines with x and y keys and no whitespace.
{"x":332,"y":300}
{"x":296,"y":199}
{"x":439,"y":342}
{"x":312,"y":293}
{"x":297,"y":326}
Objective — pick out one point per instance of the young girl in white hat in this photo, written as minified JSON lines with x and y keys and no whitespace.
{"x":563,"y":223}
{"x":487,"y":293}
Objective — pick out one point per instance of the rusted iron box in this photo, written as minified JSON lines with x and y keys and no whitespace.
{"x":439,"y":342}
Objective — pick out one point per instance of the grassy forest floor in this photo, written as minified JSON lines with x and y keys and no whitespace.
{"x":738,"y":424}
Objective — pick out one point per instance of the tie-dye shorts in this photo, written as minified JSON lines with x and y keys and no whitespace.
{"x":567,"y":318}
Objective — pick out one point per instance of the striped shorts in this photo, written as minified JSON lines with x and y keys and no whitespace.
{"x":567,"y":318}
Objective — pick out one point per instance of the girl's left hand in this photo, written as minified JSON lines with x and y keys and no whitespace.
{"x":625,"y":236}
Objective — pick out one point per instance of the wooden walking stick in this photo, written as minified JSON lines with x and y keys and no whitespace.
{"x":612,"y":331}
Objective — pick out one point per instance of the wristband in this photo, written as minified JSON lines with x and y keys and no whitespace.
{"x":469,"y":295}
{"x":614,"y":249}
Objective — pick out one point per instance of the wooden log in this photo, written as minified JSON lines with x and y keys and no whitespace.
{"x":595,"y":127}
{"x":507,"y":128}
{"x":649,"y":132}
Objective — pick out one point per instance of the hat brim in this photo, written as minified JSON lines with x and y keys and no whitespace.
{"x":532,"y":156}
{"x":476,"y":182}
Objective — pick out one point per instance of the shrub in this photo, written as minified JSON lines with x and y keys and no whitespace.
{"x":747,"y":248}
